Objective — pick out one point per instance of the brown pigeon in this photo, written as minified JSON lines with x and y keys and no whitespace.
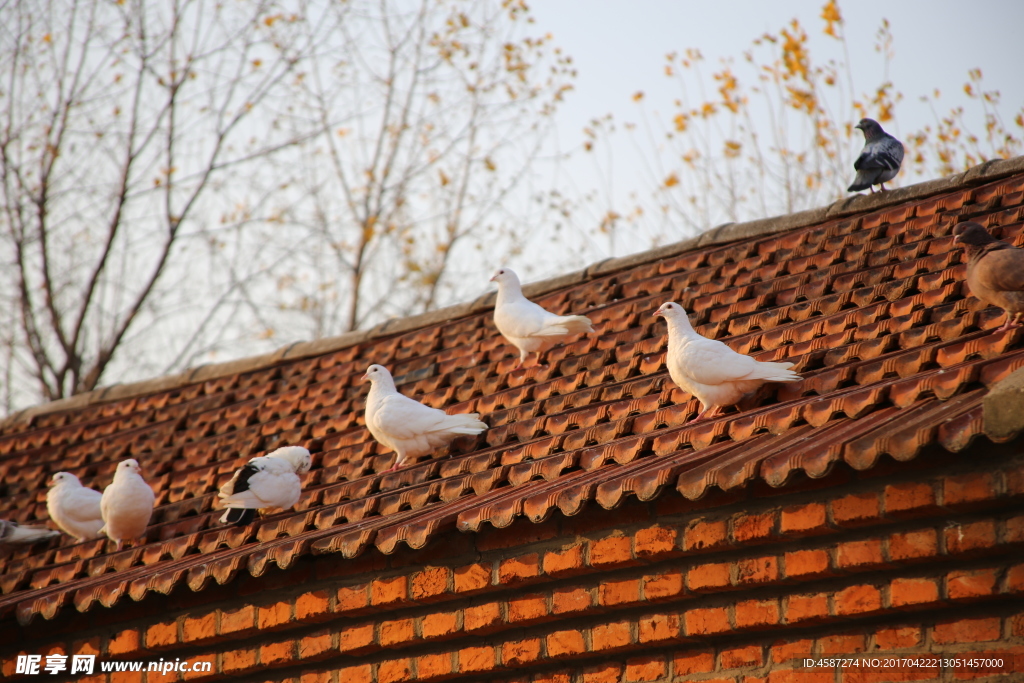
{"x":995,"y":270}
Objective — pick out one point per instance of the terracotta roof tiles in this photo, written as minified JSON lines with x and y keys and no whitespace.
{"x":871,"y":307}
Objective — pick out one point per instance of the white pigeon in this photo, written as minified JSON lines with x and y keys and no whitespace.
{"x":408,"y":427}
{"x":127,"y":504}
{"x":268,"y":481}
{"x":525,"y":324}
{"x":710,"y":370}
{"x":73,"y":507}
{"x":879,"y":161}
{"x":14,"y":533}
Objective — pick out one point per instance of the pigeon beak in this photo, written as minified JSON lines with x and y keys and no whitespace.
{"x":957,"y":240}
{"x":493,"y":278}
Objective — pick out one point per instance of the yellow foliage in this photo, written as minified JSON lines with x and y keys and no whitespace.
{"x":638,"y":95}
{"x":680,"y":121}
{"x":830,"y":13}
{"x":672,"y":180}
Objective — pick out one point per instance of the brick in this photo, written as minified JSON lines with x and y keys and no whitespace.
{"x":733,"y":658}
{"x":394,"y":671}
{"x":199,"y":628}
{"x":162,"y":635}
{"x":804,"y":519}
{"x":549,"y":677}
{"x":855,"y":509}
{"x":751,"y":613}
{"x":434,"y":665}
{"x":476,"y":659}
{"x":782,"y":651}
{"x":568,"y":642}
{"x":314,"y":645}
{"x":274,"y":615}
{"x":565,"y":600}
{"x":804,"y":676}
{"x":705,"y":576}
{"x":317,"y":677}
{"x":913,"y":545}
{"x":807,"y":563}
{"x":237,"y":621}
{"x":527,"y":607}
{"x":603,"y":673}
{"x":483,"y":616}
{"x":566,"y":562}
{"x":1015,"y":579}
{"x":610,"y":636}
{"x":655,"y":542}
{"x":858,"y":600}
{"x":898,"y":638}
{"x":705,"y":535}
{"x":520,"y":651}
{"x":866,"y":552}
{"x":87,"y":646}
{"x":842,"y":644}
{"x":389,"y":591}
{"x":618,"y":592}
{"x":439,"y":624}
{"x":431,"y":582}
{"x":806,"y":607}
{"x":962,"y":538}
{"x":693,"y":662}
{"x":238,"y":660}
{"x":909,"y":497}
{"x":611,"y":551}
{"x":969,"y":487}
{"x":363,"y":673}
{"x":124,"y":642}
{"x":704,"y":621}
{"x":667,"y":585}
{"x":1013,"y":530}
{"x":757,"y":570}
{"x":356,"y":638}
{"x":649,"y":668}
{"x":747,"y":528}
{"x":966,"y":631}
{"x":310,"y":606}
{"x":659,"y":627}
{"x":353,"y":598}
{"x":272,"y":654}
{"x":517,"y":569}
{"x":473,"y":577}
{"x":904,"y":592}
{"x":396,"y":631}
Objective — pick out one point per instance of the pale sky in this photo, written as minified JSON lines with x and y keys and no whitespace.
{"x":619,"y":48}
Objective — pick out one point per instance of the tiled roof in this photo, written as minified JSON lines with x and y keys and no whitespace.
{"x":869,"y":303}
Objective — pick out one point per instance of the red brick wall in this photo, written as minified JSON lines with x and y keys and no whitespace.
{"x":926,"y":556}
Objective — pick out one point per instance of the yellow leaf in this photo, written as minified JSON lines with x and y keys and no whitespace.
{"x":638,"y":95}
{"x":672,"y":180}
{"x":490,"y":164}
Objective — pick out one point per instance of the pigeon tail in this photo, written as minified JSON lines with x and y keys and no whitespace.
{"x":466,"y":423}
{"x":776,"y":372}
{"x":238,"y":516}
{"x":863,"y":181}
{"x":576,"y":324}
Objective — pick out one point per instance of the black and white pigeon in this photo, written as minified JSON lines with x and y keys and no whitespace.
{"x":879,"y":161}
{"x":15,"y":534}
{"x":73,"y":507}
{"x":269,"y":481}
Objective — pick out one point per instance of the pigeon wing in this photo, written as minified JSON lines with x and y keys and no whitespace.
{"x":81,"y":505}
{"x":711,"y":362}
{"x":883,"y":156}
{"x":400,"y":417}
{"x":1001,"y":270}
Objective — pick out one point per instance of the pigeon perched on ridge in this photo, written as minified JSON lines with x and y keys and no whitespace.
{"x":73,"y":507}
{"x":127,"y":504}
{"x":408,"y":427}
{"x":526,"y":325}
{"x":995,"y":270}
{"x":268,"y":481}
{"x":710,"y":370}
{"x":14,"y":533}
{"x":879,"y":161}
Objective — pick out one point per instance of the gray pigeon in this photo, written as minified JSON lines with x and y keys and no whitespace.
{"x":880,"y":159}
